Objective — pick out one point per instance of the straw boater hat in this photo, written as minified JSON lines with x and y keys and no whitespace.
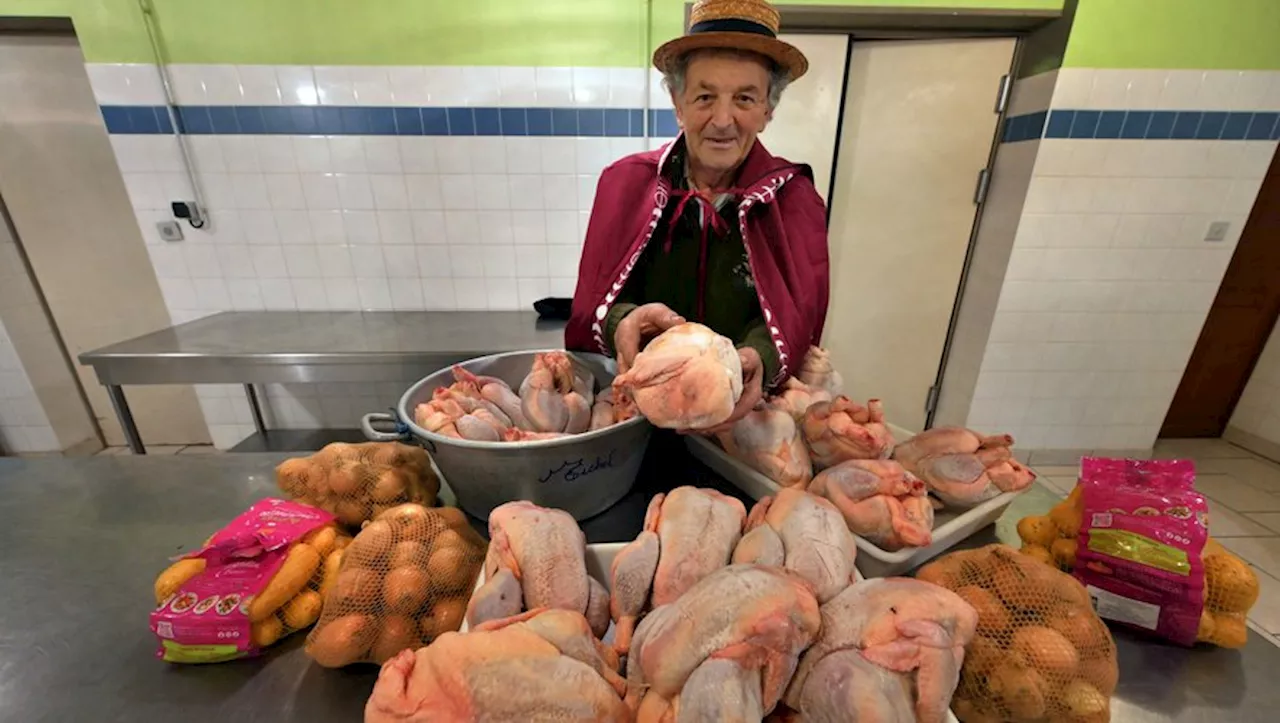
{"x":750,"y":25}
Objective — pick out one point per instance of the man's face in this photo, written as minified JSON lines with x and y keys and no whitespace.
{"x":725,"y":105}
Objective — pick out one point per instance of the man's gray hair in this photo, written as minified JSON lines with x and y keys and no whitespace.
{"x":779,"y":79}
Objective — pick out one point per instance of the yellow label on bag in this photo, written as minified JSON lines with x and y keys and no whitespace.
{"x":1131,"y":546}
{"x":179,"y":653}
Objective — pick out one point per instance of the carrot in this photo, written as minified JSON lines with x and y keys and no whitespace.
{"x":177,"y":575}
{"x":300,"y":564}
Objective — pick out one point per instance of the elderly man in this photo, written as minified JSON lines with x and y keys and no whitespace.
{"x":711,"y":228}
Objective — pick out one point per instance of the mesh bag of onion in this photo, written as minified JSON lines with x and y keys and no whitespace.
{"x":402,"y":581}
{"x":1041,"y":653}
{"x":356,"y":482}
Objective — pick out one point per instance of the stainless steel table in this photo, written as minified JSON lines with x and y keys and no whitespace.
{"x":283,"y":347}
{"x":83,"y":538}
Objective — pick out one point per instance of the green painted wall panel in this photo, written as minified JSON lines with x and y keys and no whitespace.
{"x":398,"y":32}
{"x":1211,"y":34}
{"x":1241,"y":34}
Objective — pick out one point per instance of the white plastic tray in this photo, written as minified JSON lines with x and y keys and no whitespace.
{"x":950,"y":527}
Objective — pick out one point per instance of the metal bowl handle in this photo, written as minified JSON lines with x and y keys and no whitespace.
{"x":401,"y":433}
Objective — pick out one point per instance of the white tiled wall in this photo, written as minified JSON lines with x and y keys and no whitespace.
{"x":459,"y":86}
{"x":23,"y":424}
{"x":1110,"y":279}
{"x":366,"y":222}
{"x":1258,"y":412}
{"x":351,"y":222}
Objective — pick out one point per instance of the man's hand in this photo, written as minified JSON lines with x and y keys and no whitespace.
{"x":752,"y":390}
{"x":637,"y":328}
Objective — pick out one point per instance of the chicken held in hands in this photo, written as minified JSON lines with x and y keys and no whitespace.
{"x":879,"y":501}
{"x":689,"y":377}
{"x":689,"y":533}
{"x":544,"y":665}
{"x":803,"y":533}
{"x":963,"y":468}
{"x":769,"y":440}
{"x":725,"y":649}
{"x":890,"y":650}
{"x":842,"y":429}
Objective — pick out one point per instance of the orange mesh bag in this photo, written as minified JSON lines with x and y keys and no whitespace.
{"x":1041,"y":654}
{"x":404,"y":580}
{"x":1230,"y":585}
{"x":358,"y":481}
{"x":201,"y":614}
{"x":1230,"y":589}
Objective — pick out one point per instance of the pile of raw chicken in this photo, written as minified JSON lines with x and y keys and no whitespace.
{"x":716,"y":615}
{"x":556,"y":399}
{"x":810,"y":437}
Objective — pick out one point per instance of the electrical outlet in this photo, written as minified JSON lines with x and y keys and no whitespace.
{"x":170,"y":230}
{"x":1217,"y":231}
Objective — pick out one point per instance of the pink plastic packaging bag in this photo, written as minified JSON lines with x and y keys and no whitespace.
{"x":206,"y":620}
{"x":1139,"y":549}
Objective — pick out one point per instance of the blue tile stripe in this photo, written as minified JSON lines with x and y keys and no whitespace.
{"x":1144,"y":125}
{"x":361,"y":120}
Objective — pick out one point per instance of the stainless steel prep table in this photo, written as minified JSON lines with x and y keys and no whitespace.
{"x":83,"y":539}
{"x":283,"y":347}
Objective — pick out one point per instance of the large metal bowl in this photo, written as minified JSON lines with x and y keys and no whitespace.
{"x":583,"y":474}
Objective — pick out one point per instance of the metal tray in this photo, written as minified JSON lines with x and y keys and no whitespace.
{"x":950,"y":527}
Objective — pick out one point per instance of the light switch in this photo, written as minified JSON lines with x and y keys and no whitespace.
{"x":1217,"y":231}
{"x":170,"y":230}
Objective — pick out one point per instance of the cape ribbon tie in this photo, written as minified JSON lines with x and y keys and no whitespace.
{"x":711,"y":221}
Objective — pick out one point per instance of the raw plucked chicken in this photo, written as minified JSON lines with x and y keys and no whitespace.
{"x":536,"y":560}
{"x":797,"y":397}
{"x":602,"y":410}
{"x":496,"y":392}
{"x":611,"y":407}
{"x":724,"y":650}
{"x":544,"y":665}
{"x":816,"y":370}
{"x":768,"y":440}
{"x":688,"y":377}
{"x":879,"y":500}
{"x":961,"y":467}
{"x":554,"y":398}
{"x":455,"y":412}
{"x":890,"y":650}
{"x":803,"y":533}
{"x":689,"y":533}
{"x":842,"y":429}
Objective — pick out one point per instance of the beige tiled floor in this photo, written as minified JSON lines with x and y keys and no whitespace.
{"x":1244,"y":509}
